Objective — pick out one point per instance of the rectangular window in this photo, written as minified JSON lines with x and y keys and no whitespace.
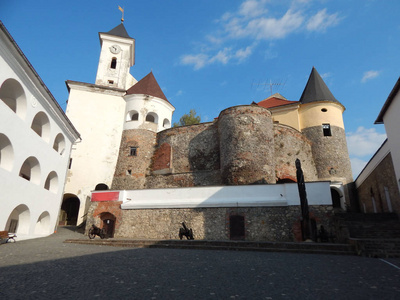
{"x":70,"y":163}
{"x":133,"y":151}
{"x":326,"y":128}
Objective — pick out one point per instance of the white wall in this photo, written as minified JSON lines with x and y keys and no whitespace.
{"x":99,"y":116}
{"x":318,"y":193}
{"x":30,"y":195}
{"x":145,"y":104}
{"x":392,"y":126}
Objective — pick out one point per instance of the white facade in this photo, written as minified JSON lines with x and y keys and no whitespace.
{"x":116,"y":57}
{"x":35,"y":144}
{"x":392,"y":127}
{"x":389,"y":116}
{"x":98,"y":115}
{"x":143,"y":106}
{"x":100,"y":112}
{"x":318,"y":193}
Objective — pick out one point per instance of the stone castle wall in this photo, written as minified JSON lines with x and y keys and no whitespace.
{"x":330,"y":154}
{"x":261,"y":223}
{"x":246,"y":145}
{"x":131,"y":170}
{"x":383,"y":176}
{"x":289,"y":145}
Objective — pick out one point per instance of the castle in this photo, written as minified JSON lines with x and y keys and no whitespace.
{"x":230,"y":178}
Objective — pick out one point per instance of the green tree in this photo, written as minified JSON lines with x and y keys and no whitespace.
{"x":188,"y":119}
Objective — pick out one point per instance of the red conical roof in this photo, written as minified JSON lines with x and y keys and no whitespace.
{"x":148,"y":85}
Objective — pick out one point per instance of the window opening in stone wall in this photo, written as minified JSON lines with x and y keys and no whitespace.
{"x":150,"y":118}
{"x":236,"y":227}
{"x":335,"y":198}
{"x":388,"y":201}
{"x":135,"y":117}
{"x":324,"y":110}
{"x":111,"y":81}
{"x":327,"y":129}
{"x":70,"y":163}
{"x":133,"y":151}
{"x":113,"y":63}
{"x":129,"y":172}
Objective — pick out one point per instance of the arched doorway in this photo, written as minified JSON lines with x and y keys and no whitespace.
{"x":101,"y":187}
{"x":335,"y":198}
{"x":108,"y":223}
{"x":69,"y":210}
{"x":19,"y":220}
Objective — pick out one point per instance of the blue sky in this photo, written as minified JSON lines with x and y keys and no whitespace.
{"x":210,"y":55}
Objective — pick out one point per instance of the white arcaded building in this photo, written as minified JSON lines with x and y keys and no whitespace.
{"x":100,"y":112}
{"x":35,"y":144}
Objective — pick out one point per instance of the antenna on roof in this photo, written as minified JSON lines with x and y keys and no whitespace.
{"x":122,"y":10}
{"x":270,"y":84}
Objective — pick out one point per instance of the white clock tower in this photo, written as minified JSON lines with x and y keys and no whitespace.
{"x":116,"y":57}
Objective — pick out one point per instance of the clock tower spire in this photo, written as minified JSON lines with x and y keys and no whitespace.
{"x":116,"y":57}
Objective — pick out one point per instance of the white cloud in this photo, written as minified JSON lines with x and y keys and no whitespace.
{"x":253,"y":21}
{"x":369,"y":75}
{"x":223,"y":56}
{"x":198,"y":60}
{"x":322,"y":20}
{"x":364,"y":141}
{"x":357,"y":165}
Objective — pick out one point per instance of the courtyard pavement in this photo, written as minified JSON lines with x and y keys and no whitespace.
{"x":46,"y":268}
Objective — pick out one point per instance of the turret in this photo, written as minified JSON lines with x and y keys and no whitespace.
{"x":321,"y":121}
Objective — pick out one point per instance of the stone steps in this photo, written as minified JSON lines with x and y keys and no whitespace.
{"x":373,"y":235}
{"x":315,"y":248}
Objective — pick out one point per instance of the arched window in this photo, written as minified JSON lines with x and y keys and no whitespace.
{"x":113,"y":63}
{"x":43,"y":224}
{"x":19,"y":220}
{"x":6,"y":153}
{"x":13,"y":95}
{"x":51,"y":183}
{"x":166,"y":123}
{"x":59,"y":143}
{"x":132,"y":115}
{"x":101,"y":187}
{"x":152,"y":117}
{"x":41,"y":125}
{"x":30,"y":170}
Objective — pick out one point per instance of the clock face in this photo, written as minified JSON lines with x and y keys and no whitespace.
{"x":115,"y":49}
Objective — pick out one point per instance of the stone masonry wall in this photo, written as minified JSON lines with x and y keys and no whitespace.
{"x":261,"y":223}
{"x":131,"y":170}
{"x":290,"y":144}
{"x":330,"y":153}
{"x":383,"y":176}
{"x":246,"y":145}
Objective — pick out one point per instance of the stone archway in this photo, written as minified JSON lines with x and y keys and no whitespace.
{"x":335,"y":198}
{"x":19,"y":220}
{"x":69,"y":210}
{"x":108,"y":221}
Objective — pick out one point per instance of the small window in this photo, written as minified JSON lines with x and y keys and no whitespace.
{"x":111,"y":81}
{"x":70,"y":163}
{"x":150,"y":118}
{"x":324,"y":110}
{"x":327,"y":129}
{"x":113,"y":63}
{"x":135,"y":117}
{"x":133,"y":151}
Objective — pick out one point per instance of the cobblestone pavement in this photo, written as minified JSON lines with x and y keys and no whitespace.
{"x":46,"y":268}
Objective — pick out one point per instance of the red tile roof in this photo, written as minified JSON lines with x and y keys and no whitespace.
{"x":148,"y":85}
{"x":275,"y":101}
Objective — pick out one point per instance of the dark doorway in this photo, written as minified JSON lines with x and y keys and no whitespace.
{"x":69,"y":211}
{"x":236,"y":227}
{"x":101,"y":187}
{"x":108,"y":224}
{"x":335,"y":198}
